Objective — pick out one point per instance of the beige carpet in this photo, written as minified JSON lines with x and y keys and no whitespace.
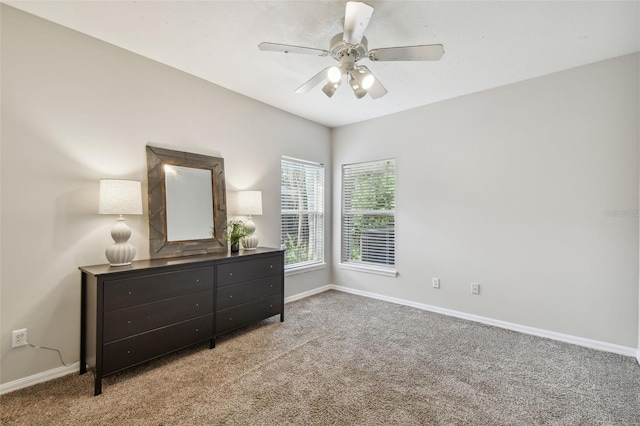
{"x":348,"y":360}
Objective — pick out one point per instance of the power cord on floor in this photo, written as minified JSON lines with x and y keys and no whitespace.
{"x":51,"y":349}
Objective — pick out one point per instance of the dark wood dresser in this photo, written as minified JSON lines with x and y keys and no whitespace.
{"x":136,"y":313}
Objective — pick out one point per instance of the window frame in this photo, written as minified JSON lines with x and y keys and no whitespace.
{"x":319,"y":213}
{"x":347,"y":215}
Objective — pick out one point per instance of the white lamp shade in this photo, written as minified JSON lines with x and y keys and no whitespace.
{"x":120,"y":197}
{"x":249,"y":202}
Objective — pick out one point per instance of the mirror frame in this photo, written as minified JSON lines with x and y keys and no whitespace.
{"x":159,"y":247}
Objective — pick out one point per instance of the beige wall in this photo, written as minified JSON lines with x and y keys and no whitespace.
{"x":75,"y":110}
{"x":510,"y":188}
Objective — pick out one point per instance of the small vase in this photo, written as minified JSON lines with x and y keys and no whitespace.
{"x":235,"y":247}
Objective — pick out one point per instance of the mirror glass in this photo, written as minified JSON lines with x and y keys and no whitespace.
{"x":189,"y":201}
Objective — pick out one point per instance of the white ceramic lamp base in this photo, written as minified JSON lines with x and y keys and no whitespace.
{"x":121,"y":253}
{"x":250,"y":242}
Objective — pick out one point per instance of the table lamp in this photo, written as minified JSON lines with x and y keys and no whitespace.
{"x":120,"y":197}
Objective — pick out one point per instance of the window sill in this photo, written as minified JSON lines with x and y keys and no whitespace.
{"x":369,"y":269}
{"x":303,"y":269}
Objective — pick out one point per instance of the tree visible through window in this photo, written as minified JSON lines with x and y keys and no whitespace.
{"x":302,"y":212}
{"x":368,"y":213}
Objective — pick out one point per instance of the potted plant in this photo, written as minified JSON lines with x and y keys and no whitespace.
{"x":236,"y":231}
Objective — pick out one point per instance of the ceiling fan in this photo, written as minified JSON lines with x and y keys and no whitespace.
{"x":348,"y":48}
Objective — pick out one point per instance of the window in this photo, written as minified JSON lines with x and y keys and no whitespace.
{"x":302,"y":213}
{"x":368,"y":214}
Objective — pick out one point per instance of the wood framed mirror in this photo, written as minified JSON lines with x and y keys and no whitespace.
{"x":187,"y":203}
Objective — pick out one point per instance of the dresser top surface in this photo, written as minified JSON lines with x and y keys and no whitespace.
{"x":140,"y":265}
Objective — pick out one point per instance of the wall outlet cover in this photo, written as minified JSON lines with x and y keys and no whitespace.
{"x":19,"y":338}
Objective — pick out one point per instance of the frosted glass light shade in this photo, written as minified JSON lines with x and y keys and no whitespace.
{"x":367,"y":82}
{"x":120,"y":197}
{"x":249,"y":202}
{"x":334,"y":74}
{"x":330,"y":88}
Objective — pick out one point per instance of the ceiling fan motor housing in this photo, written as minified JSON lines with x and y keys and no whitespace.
{"x":339,"y":48}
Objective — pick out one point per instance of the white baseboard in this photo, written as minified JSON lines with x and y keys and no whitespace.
{"x":307,"y":293}
{"x":45,"y":376}
{"x":580,"y":341}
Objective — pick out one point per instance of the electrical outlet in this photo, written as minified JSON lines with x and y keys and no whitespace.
{"x":435,"y":282}
{"x":19,"y":338}
{"x":475,"y":288}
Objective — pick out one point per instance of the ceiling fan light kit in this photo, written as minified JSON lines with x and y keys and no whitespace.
{"x":348,"y":48}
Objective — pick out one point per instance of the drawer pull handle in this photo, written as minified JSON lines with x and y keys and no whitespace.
{"x":129,"y":292}
{"x":231,"y":296}
{"x":230,"y":318}
{"x":128,"y":322}
{"x":197,"y":330}
{"x":230,"y":273}
{"x":197,"y":281}
{"x":271,"y":266}
{"x":128,"y":352}
{"x":197,"y":304}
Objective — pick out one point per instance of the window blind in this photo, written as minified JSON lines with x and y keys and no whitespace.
{"x":302,"y":212}
{"x":368,"y":213}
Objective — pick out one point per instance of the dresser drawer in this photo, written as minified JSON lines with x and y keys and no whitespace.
{"x":239,"y":316}
{"x":247,"y":270}
{"x":250,"y":291}
{"x":143,"y":347}
{"x":138,"y":319}
{"x":123,"y":293}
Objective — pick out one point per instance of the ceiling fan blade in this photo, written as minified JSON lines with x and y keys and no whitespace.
{"x":287,"y":48}
{"x":321,"y":77}
{"x":356,"y":20}
{"x":376,"y":90}
{"x":427,"y":52}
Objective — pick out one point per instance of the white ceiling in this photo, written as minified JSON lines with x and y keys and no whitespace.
{"x":487,"y":44}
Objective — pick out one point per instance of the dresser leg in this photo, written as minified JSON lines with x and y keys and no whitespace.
{"x":98,"y":386}
{"x":212,"y":343}
{"x":83,"y":323}
{"x":282,"y":317}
